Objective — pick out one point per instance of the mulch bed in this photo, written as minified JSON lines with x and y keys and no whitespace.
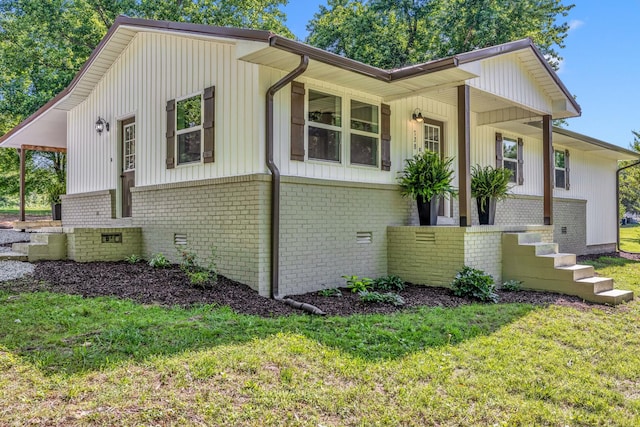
{"x":170,"y":287}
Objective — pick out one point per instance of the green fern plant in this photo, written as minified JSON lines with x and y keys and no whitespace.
{"x":489,"y":182}
{"x":427,"y":175}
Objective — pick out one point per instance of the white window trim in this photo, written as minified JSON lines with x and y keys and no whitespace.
{"x":188,"y":130}
{"x":506,"y":159}
{"x":555,"y":168}
{"x":124,"y":145}
{"x":345,"y":130}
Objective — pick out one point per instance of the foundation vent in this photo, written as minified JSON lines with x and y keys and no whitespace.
{"x":180,"y":239}
{"x":425,"y":237}
{"x":364,"y":237}
{"x":563,"y":230}
{"x":111,"y":237}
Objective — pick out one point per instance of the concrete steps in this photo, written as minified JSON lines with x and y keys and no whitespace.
{"x":13,"y":256}
{"x":43,"y":247}
{"x":539,"y":266}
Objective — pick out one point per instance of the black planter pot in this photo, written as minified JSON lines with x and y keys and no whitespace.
{"x":488,"y":216}
{"x":56,"y":211}
{"x":428,"y":212}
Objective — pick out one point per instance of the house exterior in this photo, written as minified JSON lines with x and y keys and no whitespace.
{"x":284,"y":157}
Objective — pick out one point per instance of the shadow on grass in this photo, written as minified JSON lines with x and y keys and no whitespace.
{"x":69,"y":334}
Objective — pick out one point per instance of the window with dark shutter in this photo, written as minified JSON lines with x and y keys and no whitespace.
{"x":385,"y":137}
{"x":208,"y":124}
{"x":171,"y":134}
{"x":561,"y":164}
{"x":297,"y":121}
{"x":509,"y":155}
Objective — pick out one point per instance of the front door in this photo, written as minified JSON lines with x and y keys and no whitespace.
{"x":128,"y":132}
{"x":433,"y":141}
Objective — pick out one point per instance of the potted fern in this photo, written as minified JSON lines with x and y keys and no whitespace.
{"x":488,"y":186}
{"x":426,"y":178}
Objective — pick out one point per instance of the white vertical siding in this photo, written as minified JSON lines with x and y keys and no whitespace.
{"x":152,"y":70}
{"x":505,"y":76}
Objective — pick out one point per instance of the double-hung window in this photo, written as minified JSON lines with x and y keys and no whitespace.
{"x":189,"y":129}
{"x":365,"y":131}
{"x":337,"y":130}
{"x":325,"y":126}
{"x":510,"y":157}
{"x":561,"y":164}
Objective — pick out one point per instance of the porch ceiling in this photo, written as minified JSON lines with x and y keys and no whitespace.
{"x":50,"y":130}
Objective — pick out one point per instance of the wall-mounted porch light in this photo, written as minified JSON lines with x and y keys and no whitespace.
{"x":101,"y":125}
{"x":417,"y":115}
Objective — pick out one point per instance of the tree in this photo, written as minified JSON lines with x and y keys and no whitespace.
{"x":395,"y":33}
{"x":43,"y":44}
{"x":630,"y":181}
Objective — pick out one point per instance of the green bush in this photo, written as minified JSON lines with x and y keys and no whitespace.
{"x":388,"y":283}
{"x":511,"y":286}
{"x":356,"y":284}
{"x":377,"y":297}
{"x":333,"y":292}
{"x":159,"y":261}
{"x":474,"y":283}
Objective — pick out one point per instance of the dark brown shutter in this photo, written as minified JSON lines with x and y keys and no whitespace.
{"x":567,"y":186}
{"x":499,"y":150}
{"x":208,"y":125}
{"x":385,"y":137}
{"x":297,"y":121}
{"x":520,"y":162}
{"x":171,"y":134}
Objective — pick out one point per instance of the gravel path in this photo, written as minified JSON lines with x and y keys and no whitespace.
{"x":10,"y":270}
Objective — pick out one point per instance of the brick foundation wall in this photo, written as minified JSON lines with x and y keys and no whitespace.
{"x":319,"y":231}
{"x":88,"y":209}
{"x":231,"y":215}
{"x":86,"y":244}
{"x":433,"y":255}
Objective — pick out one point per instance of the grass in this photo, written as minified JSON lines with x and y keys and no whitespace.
{"x":28,"y":211}
{"x":101,"y":361}
{"x":630,"y":238}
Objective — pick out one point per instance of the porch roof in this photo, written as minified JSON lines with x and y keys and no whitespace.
{"x":47,"y":126}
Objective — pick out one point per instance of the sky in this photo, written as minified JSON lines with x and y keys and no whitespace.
{"x":601,"y":65}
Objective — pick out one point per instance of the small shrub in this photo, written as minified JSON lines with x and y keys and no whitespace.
{"x":133,"y":259}
{"x":333,"y":292}
{"x":474,"y":283}
{"x":198,"y":276}
{"x":377,"y":297}
{"x":356,"y":284}
{"x":388,"y":283}
{"x":159,"y":261}
{"x":512,"y":286}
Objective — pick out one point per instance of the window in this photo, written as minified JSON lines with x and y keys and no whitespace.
{"x":189,"y":129}
{"x":129,"y":143}
{"x":325,"y":126}
{"x":433,"y":136}
{"x":561,"y":163}
{"x":364,"y":134}
{"x":510,"y":157}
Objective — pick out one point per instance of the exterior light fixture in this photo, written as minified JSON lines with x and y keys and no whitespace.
{"x":417,"y":115}
{"x":101,"y":125}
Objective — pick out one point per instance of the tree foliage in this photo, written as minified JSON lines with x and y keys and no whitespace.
{"x":630,"y":182}
{"x":396,"y":33}
{"x":43,"y":44}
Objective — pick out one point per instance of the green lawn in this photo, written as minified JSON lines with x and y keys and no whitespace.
{"x":68,"y":360}
{"x":630,"y":238}
{"x":29,"y":211}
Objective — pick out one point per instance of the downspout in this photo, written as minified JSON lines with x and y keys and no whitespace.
{"x":275,"y":178}
{"x":618,"y":201}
